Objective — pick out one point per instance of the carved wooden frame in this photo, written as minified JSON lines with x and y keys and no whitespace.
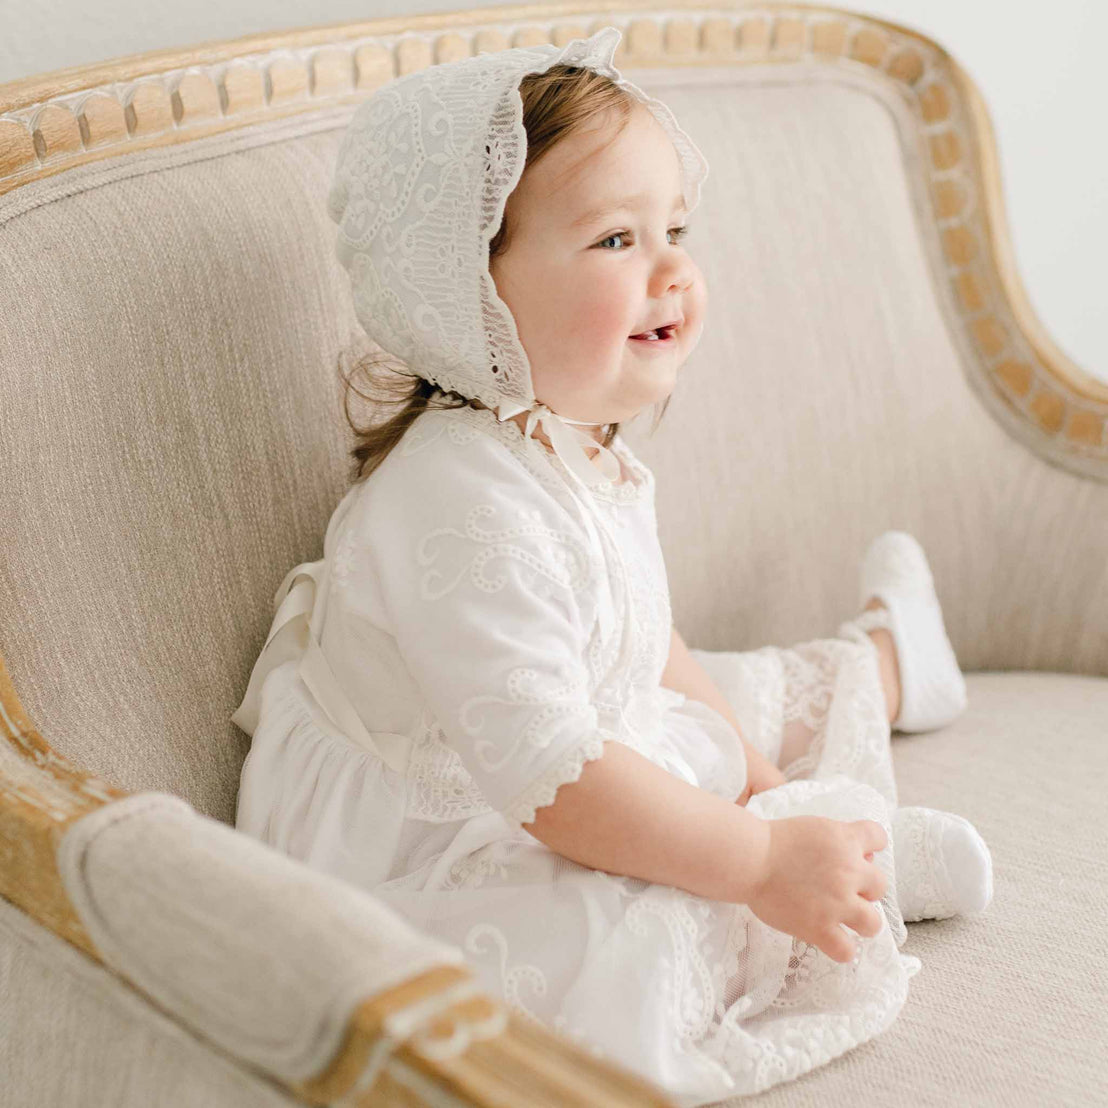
{"x":52,"y":123}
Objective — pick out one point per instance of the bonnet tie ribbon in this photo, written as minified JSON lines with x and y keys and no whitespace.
{"x":568,"y":443}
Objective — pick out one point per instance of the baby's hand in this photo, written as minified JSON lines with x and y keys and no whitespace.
{"x":819,"y":874}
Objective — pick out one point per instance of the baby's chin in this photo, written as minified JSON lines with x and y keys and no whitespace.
{"x":614,"y":397}
{"x":643,"y":401}
{"x":647,"y":384}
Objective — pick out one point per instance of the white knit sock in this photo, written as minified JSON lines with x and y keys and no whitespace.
{"x":943,"y":867}
{"x":932,"y":688}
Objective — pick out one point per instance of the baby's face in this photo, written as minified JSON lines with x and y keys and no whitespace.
{"x":579,"y":285}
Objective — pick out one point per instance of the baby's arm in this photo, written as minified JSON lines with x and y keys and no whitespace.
{"x":628,"y":816}
{"x":804,"y":875}
{"x":684,"y":674}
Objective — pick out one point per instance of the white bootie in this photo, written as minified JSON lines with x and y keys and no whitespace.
{"x":932,"y":688}
{"x":943,"y":867}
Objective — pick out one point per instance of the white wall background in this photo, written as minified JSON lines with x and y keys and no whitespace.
{"x":1039,"y":67}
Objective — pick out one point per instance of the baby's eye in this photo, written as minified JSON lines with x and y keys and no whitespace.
{"x":680,"y":232}
{"x":614,"y":235}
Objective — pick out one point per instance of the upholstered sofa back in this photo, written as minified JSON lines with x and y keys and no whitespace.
{"x":172,"y":440}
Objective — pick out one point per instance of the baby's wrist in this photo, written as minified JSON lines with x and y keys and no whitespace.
{"x":752,"y":847}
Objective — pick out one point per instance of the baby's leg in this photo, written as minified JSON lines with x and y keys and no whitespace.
{"x":797,"y":735}
{"x":791,"y":701}
{"x":836,"y":700}
{"x":809,"y":680}
{"x":890,"y":670}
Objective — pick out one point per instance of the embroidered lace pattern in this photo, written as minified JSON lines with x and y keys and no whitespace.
{"x":542,"y":790}
{"x":440,"y":788}
{"x":834,"y":672}
{"x":706,"y":957}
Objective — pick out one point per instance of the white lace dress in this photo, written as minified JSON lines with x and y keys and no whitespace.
{"x":485,"y":633}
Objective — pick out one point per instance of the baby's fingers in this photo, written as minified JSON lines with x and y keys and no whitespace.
{"x":866,"y":919}
{"x":838,"y":945}
{"x":874,"y":884}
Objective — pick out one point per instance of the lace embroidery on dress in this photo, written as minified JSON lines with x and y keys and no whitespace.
{"x":440,"y":788}
{"x":682,"y":916}
{"x":652,"y":602}
{"x":791,"y":1047}
{"x":543,"y":789}
{"x":706,"y":1023}
{"x":685,"y":920}
{"x":652,"y":619}
{"x":515,"y":978}
{"x":834,"y":686}
{"x":697,"y":1000}
{"x":470,"y":870}
{"x":763,"y":682}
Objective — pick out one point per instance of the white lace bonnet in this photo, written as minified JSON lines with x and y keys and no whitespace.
{"x":423,"y":173}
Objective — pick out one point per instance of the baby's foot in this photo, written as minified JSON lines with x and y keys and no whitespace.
{"x":943,"y":867}
{"x":932,"y":688}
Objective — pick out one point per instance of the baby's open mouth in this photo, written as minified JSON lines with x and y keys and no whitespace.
{"x":662,"y":334}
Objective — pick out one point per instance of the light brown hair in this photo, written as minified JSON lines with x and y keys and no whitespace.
{"x":555,"y":103}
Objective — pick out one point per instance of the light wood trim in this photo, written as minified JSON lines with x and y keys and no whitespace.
{"x":1000,"y":246}
{"x":525,"y":1065}
{"x":43,"y":793}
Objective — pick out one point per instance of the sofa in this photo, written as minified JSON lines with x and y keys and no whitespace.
{"x":172,"y":326}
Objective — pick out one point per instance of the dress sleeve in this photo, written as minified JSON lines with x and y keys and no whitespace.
{"x":489,"y":585}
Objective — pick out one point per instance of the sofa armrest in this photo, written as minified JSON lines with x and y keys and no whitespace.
{"x":292,"y":971}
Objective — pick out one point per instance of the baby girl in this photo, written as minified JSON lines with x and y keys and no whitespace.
{"x":491,"y":722}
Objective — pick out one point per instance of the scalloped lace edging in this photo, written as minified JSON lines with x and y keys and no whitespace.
{"x":569,"y":768}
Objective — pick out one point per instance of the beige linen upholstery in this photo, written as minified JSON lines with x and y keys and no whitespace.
{"x":171,"y":443}
{"x":82,"y":1035}
{"x":828,"y":401}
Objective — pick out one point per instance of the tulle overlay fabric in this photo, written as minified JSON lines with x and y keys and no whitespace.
{"x":699,"y":996}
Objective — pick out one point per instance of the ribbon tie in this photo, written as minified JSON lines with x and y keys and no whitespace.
{"x":567,"y":442}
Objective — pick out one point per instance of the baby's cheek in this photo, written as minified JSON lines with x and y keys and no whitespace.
{"x":594,"y":319}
